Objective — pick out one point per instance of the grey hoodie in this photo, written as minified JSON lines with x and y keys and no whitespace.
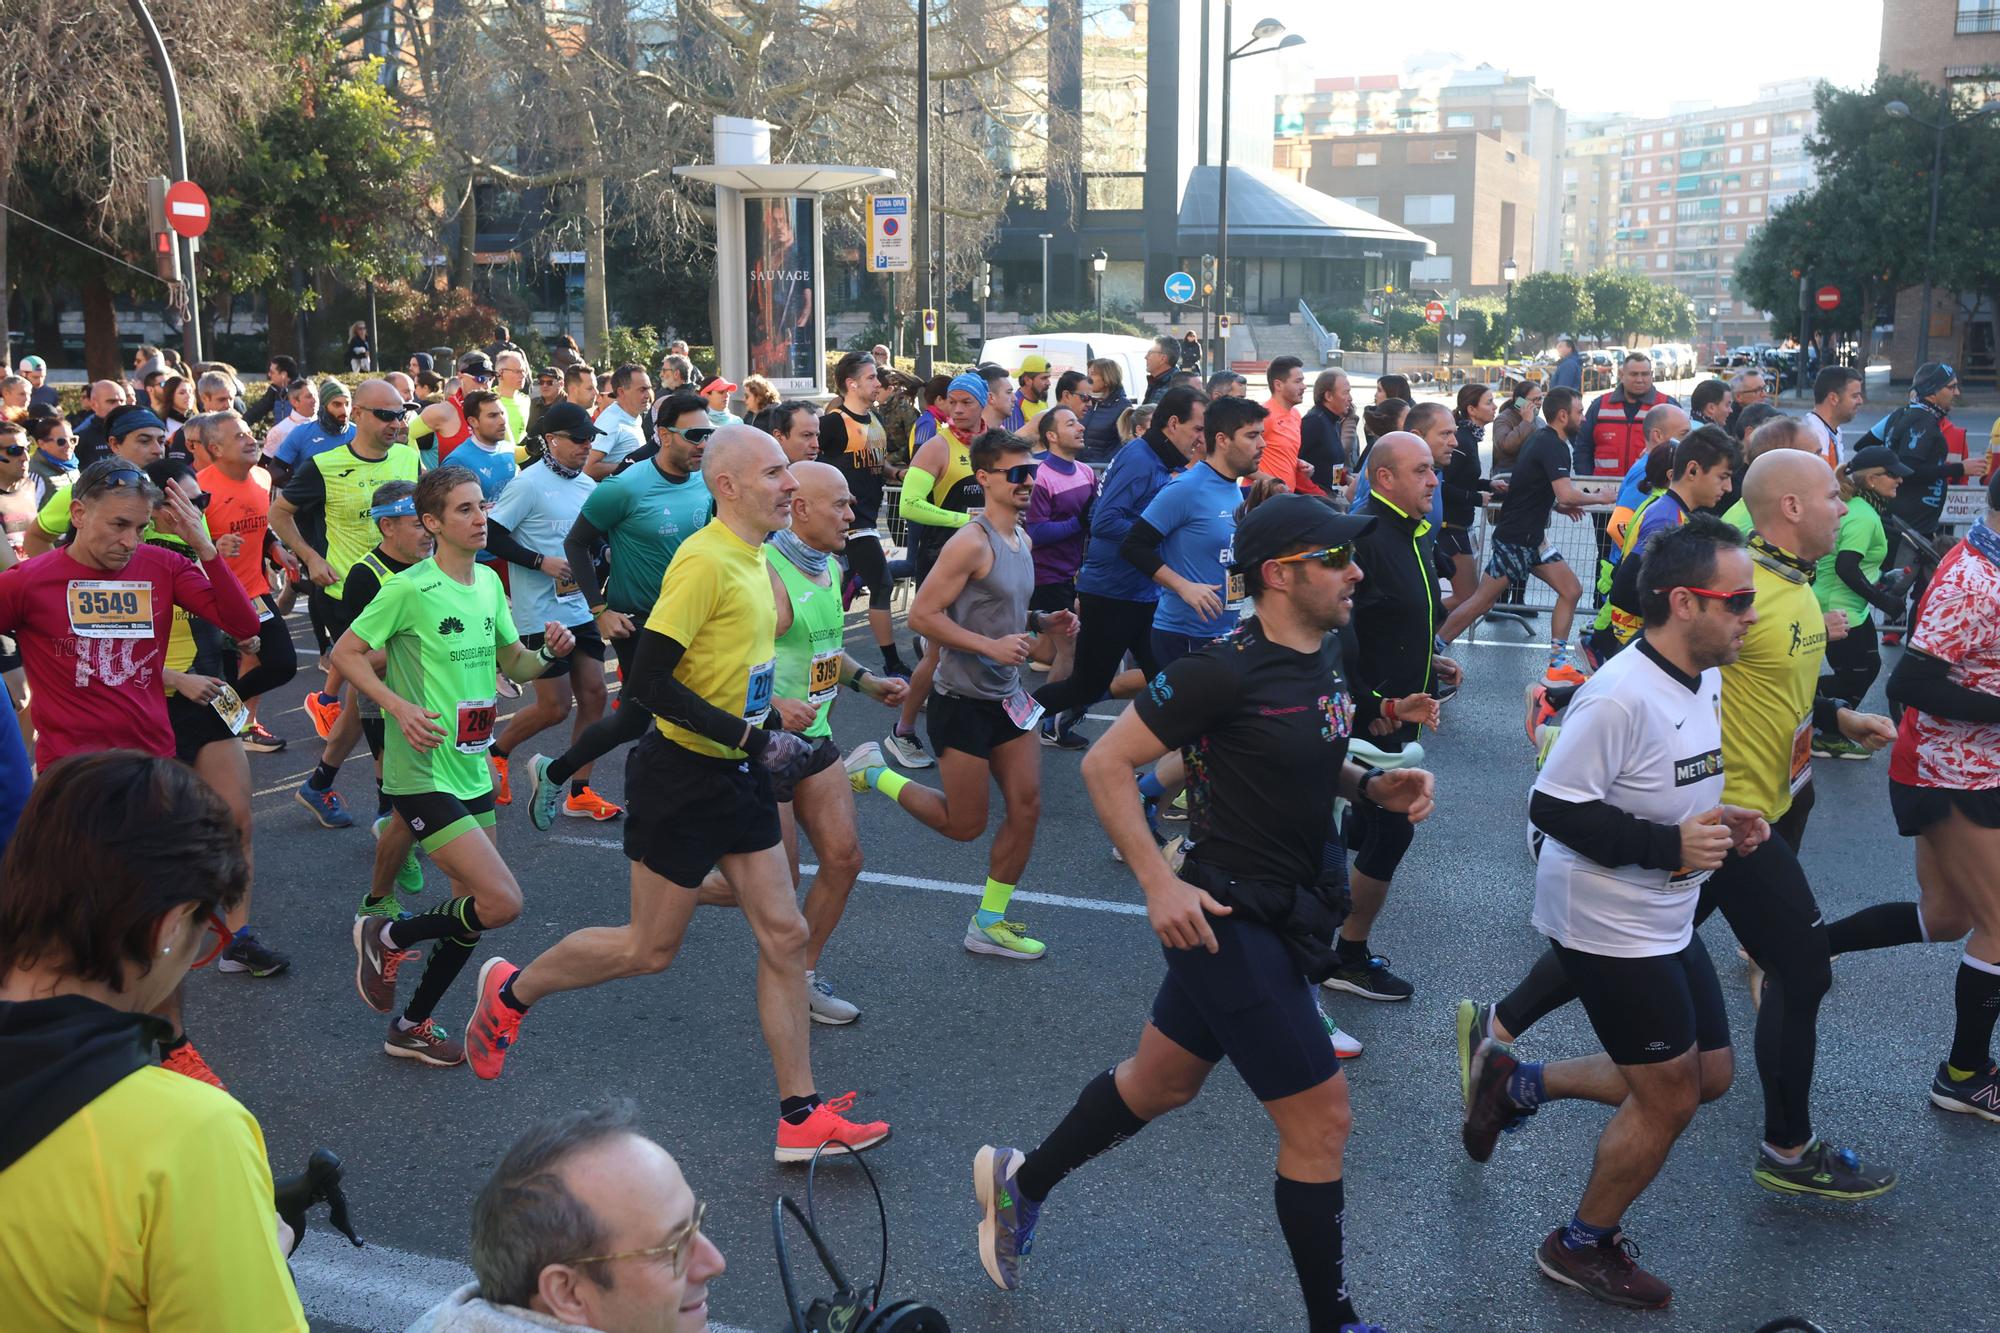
{"x":465,"y":1312}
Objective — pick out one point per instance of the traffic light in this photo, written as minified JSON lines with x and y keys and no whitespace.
{"x":986,"y":282}
{"x":1208,"y":275}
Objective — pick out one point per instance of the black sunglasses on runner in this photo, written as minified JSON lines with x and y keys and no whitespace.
{"x":14,"y":450}
{"x":392,"y":414}
{"x":1018,"y":475}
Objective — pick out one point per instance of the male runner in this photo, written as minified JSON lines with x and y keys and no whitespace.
{"x":939,"y":490}
{"x":700,"y":786}
{"x":239,"y":503}
{"x":974,"y":607}
{"x":527,"y":528}
{"x":1699,"y":476}
{"x":645,"y":512}
{"x":1058,"y":521}
{"x":446,"y":630}
{"x":1247,"y":923}
{"x":136,"y":437}
{"x":853,"y":439}
{"x":1634,"y":819}
{"x":492,"y":456}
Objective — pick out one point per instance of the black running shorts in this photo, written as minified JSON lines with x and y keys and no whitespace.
{"x":686,"y":811}
{"x":825,"y":755}
{"x":589,"y":643}
{"x":196,"y":726}
{"x":1917,"y":808}
{"x":977,"y":727}
{"x":439,"y":818}
{"x":1647,"y":1011}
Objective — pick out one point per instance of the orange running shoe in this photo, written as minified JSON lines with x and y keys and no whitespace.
{"x":1539,"y":710}
{"x":503,"y":790}
{"x":591,"y":806}
{"x":323,"y":715}
{"x":186,"y":1061}
{"x":826,"y":1127}
{"x":491,"y":1031}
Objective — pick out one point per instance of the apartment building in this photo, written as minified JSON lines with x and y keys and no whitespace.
{"x":1591,"y":157}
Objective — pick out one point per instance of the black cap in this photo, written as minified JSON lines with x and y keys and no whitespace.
{"x":1286,"y":521}
{"x":1932,"y":376}
{"x":1877,"y":455}
{"x":475,"y":363}
{"x":566,"y":418}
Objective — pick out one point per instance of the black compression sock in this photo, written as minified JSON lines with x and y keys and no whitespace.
{"x":1099,"y":1122}
{"x":497,"y":752}
{"x":1311,"y":1217}
{"x":892,"y":661}
{"x":798,"y":1110}
{"x":457,"y":917}
{"x":1978,"y":1002}
{"x":559,"y":769}
{"x":577,"y":786}
{"x":1883,"y":926}
{"x":447,"y":960}
{"x":323,"y":776}
{"x":1351,"y":953}
{"x":383,"y":805}
{"x":373,"y":901}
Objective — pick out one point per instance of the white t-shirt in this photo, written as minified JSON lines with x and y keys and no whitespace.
{"x":278,"y":432}
{"x":538,"y":508}
{"x":623,"y":433}
{"x":1639,"y":740}
{"x":1829,"y":442}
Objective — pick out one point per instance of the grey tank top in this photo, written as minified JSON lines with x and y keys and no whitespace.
{"x":995,"y":606}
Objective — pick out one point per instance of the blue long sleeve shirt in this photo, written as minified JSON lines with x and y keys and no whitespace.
{"x":1136,"y":474}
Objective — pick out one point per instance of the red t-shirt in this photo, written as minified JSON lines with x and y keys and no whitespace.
{"x":244,"y":508}
{"x":1281,"y":444}
{"x":93,"y":642}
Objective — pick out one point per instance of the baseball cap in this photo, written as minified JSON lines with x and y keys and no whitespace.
{"x":717,"y":385}
{"x":475,"y":363}
{"x":1877,"y":455}
{"x":33,"y":363}
{"x":566,"y":418}
{"x":1932,"y":376}
{"x":1034,"y":363}
{"x":1286,"y":521}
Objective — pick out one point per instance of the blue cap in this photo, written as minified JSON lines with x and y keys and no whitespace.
{"x":971,"y":383}
{"x":124,"y":421}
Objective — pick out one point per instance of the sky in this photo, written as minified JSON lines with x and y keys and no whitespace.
{"x":1614,"y":58}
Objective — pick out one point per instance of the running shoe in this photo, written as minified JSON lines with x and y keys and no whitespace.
{"x":259,"y":739}
{"x":1564,"y":668}
{"x":410,"y":875}
{"x":1176,"y":809}
{"x":827,"y":1127}
{"x":247,"y":954}
{"x":1540,"y":710}
{"x":326,"y":806}
{"x":186,"y":1061}
{"x":426,"y":1043}
{"x":1475,"y":1024}
{"x":1002,"y":939}
{"x":323,"y":714}
{"x":376,"y":964}
{"x":1059,"y":730}
{"x":1488,"y":1108}
{"x":544,"y":796}
{"x":827,"y":1007}
{"x":1825,"y":1172}
{"x":864,"y":756}
{"x":1839,"y":747}
{"x":1371,"y":980}
{"x":590,"y":806}
{"x":908,"y":751}
{"x":1607,"y":1270}
{"x":508,"y":687}
{"x":1345,"y":1044}
{"x":1978,"y":1095}
{"x":495,"y":1025}
{"x":1007,"y":1221}
{"x":503,"y":789}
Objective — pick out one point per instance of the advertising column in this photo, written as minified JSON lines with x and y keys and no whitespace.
{"x":781,"y":257}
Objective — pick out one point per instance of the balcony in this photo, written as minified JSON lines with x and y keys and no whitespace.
{"x":1983,"y":19}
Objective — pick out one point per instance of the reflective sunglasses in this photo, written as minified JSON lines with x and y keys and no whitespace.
{"x":1327,"y":557}
{"x":1018,"y":475}
{"x":694,"y":434}
{"x":14,"y":450}
{"x":674,"y":1250}
{"x":481,"y":376}
{"x":113,"y":480}
{"x":1735,"y":603}
{"x":392,"y":414}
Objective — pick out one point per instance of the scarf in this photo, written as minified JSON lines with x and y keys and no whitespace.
{"x":811,"y":562}
{"x":566,"y":473}
{"x":1782,"y":562}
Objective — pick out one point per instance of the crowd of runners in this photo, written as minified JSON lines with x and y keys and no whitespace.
{"x":1274,"y":592}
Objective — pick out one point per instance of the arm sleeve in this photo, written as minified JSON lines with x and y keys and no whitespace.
{"x":654,"y":685}
{"x":1923,"y":682}
{"x":916,"y":506}
{"x":305,"y":491}
{"x":1606,"y":834}
{"x":1847,"y":564}
{"x":1141,"y":547}
{"x":508,"y":547}
{"x":210,"y":590}
{"x":577,"y":548}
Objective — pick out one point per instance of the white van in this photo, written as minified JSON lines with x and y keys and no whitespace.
{"x":1074,"y":351}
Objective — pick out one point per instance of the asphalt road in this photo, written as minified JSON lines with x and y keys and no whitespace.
{"x":1175,"y":1230}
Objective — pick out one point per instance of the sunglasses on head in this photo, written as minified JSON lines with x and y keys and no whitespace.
{"x":392,"y":414}
{"x":1735,"y":603}
{"x":1327,"y":557}
{"x":113,"y":480}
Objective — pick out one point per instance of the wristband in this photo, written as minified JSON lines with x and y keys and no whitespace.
{"x":539,"y":558}
{"x":543,"y":652}
{"x":855,"y":682}
{"x":1368,"y":775}
{"x":1389,"y":709}
{"x":1034,"y":622}
{"x":600,"y":608}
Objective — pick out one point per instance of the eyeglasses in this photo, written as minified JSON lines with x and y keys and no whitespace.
{"x":1327,"y":557}
{"x":1735,"y":603}
{"x":392,"y":414}
{"x":674,"y":1250}
{"x":1018,"y":475}
{"x":219,"y":937}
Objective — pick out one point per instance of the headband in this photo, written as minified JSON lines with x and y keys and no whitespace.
{"x":395,"y":508}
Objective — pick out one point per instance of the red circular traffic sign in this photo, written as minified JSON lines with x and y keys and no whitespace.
{"x":1434,"y":313}
{"x":187,"y":208}
{"x":1828,"y":297}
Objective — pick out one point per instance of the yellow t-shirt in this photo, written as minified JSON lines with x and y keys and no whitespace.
{"x":150,"y":1208}
{"x":716,"y":601}
{"x":1767,"y":693}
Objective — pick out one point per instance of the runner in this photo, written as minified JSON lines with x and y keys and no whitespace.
{"x":623,"y":421}
{"x":938,"y":490}
{"x":334,"y":491}
{"x":1247,"y":925}
{"x":1849,"y":581}
{"x":701,"y":789}
{"x":982,"y":723}
{"x":445,"y":629}
{"x":1058,"y":521}
{"x":645,"y":513}
{"x":853,"y":439}
{"x":1698,"y":475}
{"x":239,"y":504}
{"x":1635,"y":821}
{"x":1944,"y":786}
{"x":532,"y":519}
{"x":136,"y":437}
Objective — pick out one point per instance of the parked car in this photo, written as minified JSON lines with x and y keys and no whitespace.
{"x":1074,"y":351}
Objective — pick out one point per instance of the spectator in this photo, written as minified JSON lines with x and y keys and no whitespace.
{"x":54,"y":461}
{"x":304,"y":408}
{"x":1191,"y":351}
{"x":1161,"y":358}
{"x":563,"y":351}
{"x":279,"y":373}
{"x":676,"y":372}
{"x":421,"y":364}
{"x":717,"y":391}
{"x":360,"y":352}
{"x":14,"y":395}
{"x":758,"y":394}
{"x":1710,"y":405}
{"x":1108,"y":403}
{"x":106,"y":396}
{"x":585,"y":1223}
{"x":1227,"y":383}
{"x":1747,"y":389}
{"x":510,"y":384}
{"x":1323,"y":437}
{"x":177,"y":396}
{"x":503,"y":341}
{"x":216,"y":391}
{"x":1613,"y":436}
{"x":40,"y":392}
{"x":548,"y":392}
{"x":152,"y":1197}
{"x":1568,"y":373}
{"x":1394,"y":386}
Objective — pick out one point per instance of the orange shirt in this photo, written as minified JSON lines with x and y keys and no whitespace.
{"x":244,"y":508}
{"x":1281,"y":443}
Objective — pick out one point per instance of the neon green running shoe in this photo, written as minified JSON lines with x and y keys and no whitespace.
{"x":1003,"y":939}
{"x":410,"y":879}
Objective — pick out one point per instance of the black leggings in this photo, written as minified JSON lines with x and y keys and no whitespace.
{"x":277,"y":657}
{"x":1111,"y":627}
{"x":1856,"y":660}
{"x":870,"y":568}
{"x":619,"y":726}
{"x":1768,"y":903}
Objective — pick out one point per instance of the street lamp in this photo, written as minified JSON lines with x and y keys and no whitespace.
{"x":1098,"y":259}
{"x":1046,"y":237}
{"x":1901,"y":110}
{"x":1715,"y":330}
{"x":1268,"y":31}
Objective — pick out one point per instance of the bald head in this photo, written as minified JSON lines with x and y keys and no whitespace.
{"x":818,"y":481}
{"x":731,"y":448}
{"x":1794,"y":501}
{"x":822,"y":507}
{"x":1779,"y":434}
{"x":1402,"y":469}
{"x":750,"y":477}
{"x":1666,"y":422}
{"x":402,"y":383}
{"x":377,"y":393}
{"x":372,"y":394}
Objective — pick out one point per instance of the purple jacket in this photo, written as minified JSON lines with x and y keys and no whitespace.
{"x":1057,"y":517}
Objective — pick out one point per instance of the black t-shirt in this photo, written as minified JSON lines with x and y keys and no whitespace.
{"x":1265,"y":733}
{"x":1531,"y":490}
{"x":844,"y":442}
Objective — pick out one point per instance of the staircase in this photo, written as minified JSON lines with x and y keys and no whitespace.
{"x":1276,"y":338}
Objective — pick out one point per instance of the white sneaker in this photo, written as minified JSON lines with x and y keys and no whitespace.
{"x":864,"y":757}
{"x":827,"y":1007}
{"x":1345,"y":1044}
{"x":908,"y":751}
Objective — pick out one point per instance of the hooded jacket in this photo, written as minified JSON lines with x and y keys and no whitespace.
{"x":465,"y":1311}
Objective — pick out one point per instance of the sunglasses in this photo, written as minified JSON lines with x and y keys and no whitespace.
{"x":1018,"y":475}
{"x":693,"y":434}
{"x":1735,"y":603}
{"x":392,"y":414}
{"x":674,"y":1250}
{"x":115,"y":479}
{"x":477,"y":375}
{"x":1327,"y":557}
{"x":219,"y":936}
{"x":14,"y":450}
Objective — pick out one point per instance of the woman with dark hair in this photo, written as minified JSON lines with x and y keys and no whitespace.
{"x":1464,"y":487}
{"x":139,"y":1198}
{"x":1520,"y":410}
{"x":1378,"y":419}
{"x":175,"y":397}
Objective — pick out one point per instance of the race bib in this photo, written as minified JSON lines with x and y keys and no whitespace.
{"x":1802,"y":756}
{"x":1022,"y":710}
{"x":229,"y":706}
{"x":566,"y":586}
{"x":823,"y":679}
{"x":110,"y":609}
{"x":757,"y":697}
{"x":1234,"y":593}
{"x":475,"y":725}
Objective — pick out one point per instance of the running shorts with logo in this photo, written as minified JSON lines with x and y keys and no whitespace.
{"x":688,"y":811}
{"x":1648,"y":1010}
{"x":440,"y":818}
{"x":976,"y":727}
{"x":1511,"y":562}
{"x":589,"y":643}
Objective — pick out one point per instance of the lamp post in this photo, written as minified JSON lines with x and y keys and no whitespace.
{"x":1267,"y":30}
{"x":1046,"y":237}
{"x":1098,"y":259}
{"x":1715,"y":330}
{"x":920,"y":239}
{"x":1508,"y":272}
{"x":1901,"y":110}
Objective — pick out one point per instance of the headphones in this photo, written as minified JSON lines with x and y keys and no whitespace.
{"x":850,"y":1309}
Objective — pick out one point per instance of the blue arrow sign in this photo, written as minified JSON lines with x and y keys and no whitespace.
{"x":1180,"y":288}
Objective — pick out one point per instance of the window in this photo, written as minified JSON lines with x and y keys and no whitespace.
{"x":1645,"y":192}
{"x":1646,"y":141}
{"x":1429,"y":210}
{"x":1496,"y":122}
{"x":1763,"y":125}
{"x":1729,"y":233}
{"x":1646,"y":167}
{"x":1435,"y":269}
{"x":1757,"y":152}
{"x":1736,"y":130}
{"x":1458,"y":120}
{"x":1448,"y":155}
{"x":1756,"y":205}
{"x":1660,"y":261}
{"x":1756,"y":179}
{"x":1367,"y":203}
{"x":1667,"y":139}
{"x":1735,"y":157}
{"x":1662,"y":213}
{"x":1364,"y":159}
{"x":1730,"y":207}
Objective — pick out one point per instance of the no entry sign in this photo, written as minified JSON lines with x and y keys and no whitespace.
{"x":1827,"y":297}
{"x":1434,"y":313}
{"x":187,"y":208}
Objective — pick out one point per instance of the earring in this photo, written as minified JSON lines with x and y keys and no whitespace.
{"x":169,"y":949}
